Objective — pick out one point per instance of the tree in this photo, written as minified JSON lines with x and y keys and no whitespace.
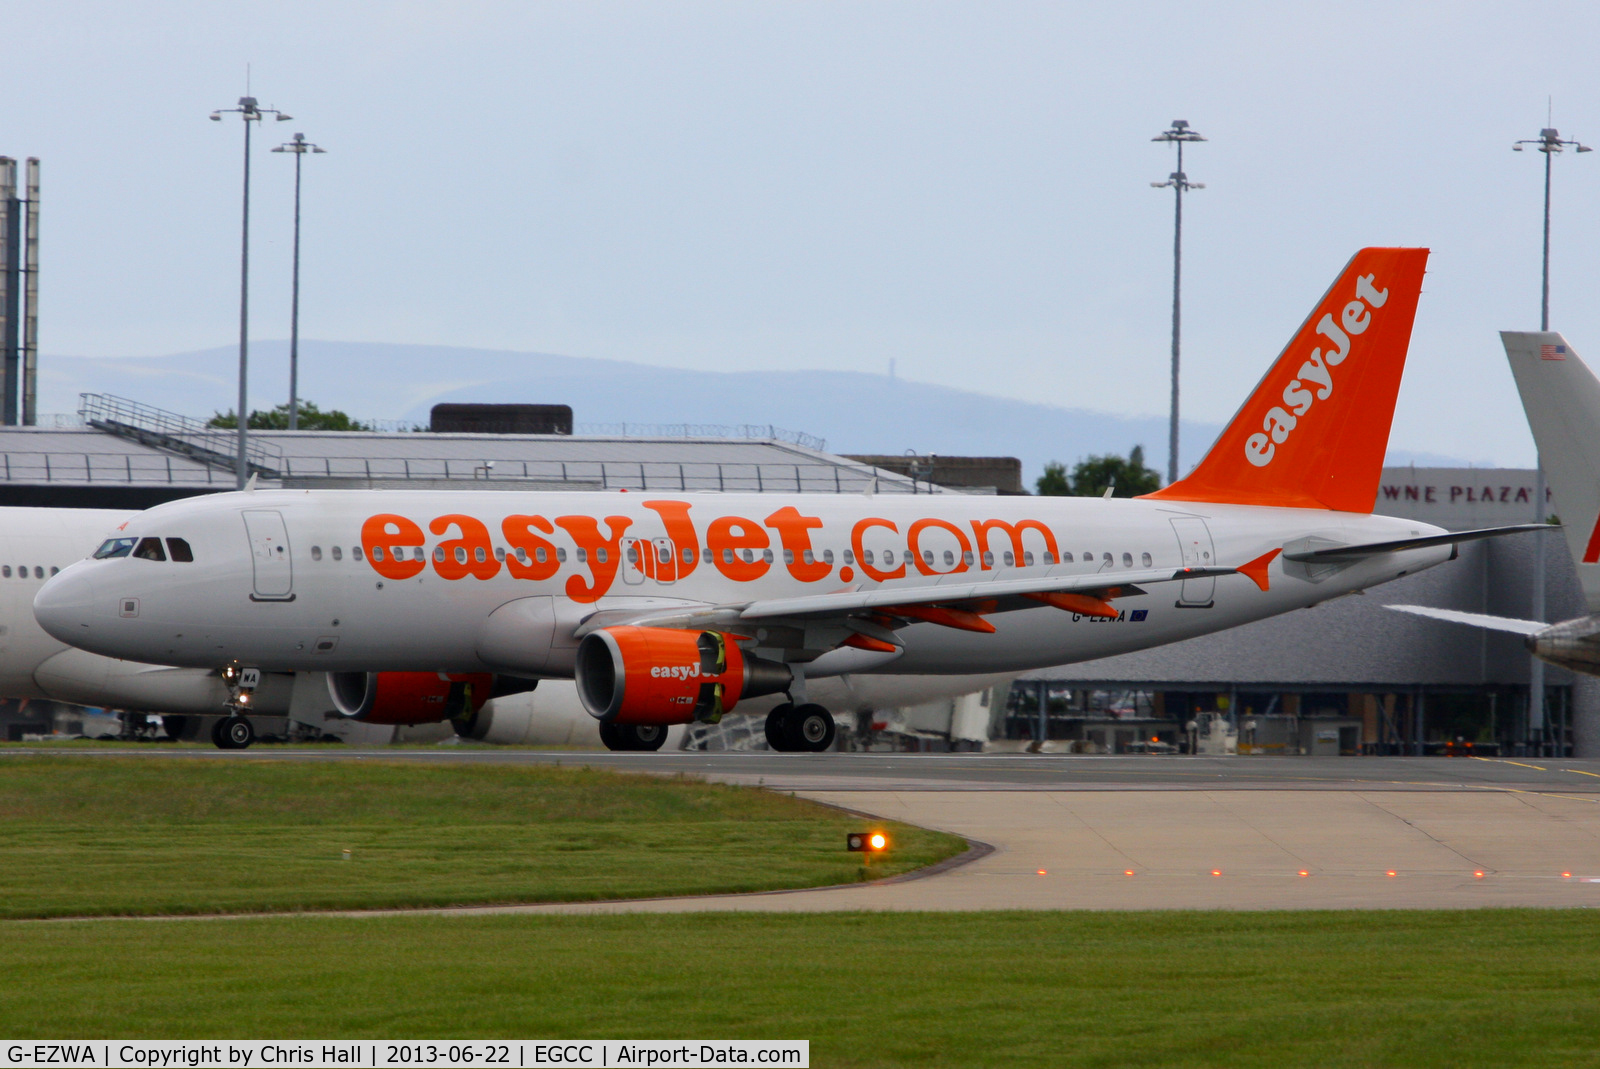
{"x":311,"y":418}
{"x":1054,"y":482}
{"x":1128,"y":477}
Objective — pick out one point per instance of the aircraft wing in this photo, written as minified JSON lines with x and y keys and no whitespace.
{"x":1475,"y":619}
{"x":1332,"y":554}
{"x":1007,"y":593}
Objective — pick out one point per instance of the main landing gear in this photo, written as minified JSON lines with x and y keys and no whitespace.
{"x":803,"y":728}
{"x":233,"y":733}
{"x":633,"y":736}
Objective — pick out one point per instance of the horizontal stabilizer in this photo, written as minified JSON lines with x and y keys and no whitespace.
{"x":1371,"y":549}
{"x":1475,"y":619}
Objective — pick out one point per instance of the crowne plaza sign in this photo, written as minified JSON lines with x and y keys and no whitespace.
{"x":1461,"y":498}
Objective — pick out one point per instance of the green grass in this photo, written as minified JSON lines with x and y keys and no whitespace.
{"x":88,"y":836}
{"x":1390,"y":989}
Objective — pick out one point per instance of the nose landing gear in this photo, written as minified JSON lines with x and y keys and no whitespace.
{"x":233,"y":733}
{"x":805,"y":728}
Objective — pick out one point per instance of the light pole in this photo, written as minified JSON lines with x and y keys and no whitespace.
{"x":1180,"y":184}
{"x":1550,"y":143}
{"x":250,"y":112}
{"x":299,"y":146}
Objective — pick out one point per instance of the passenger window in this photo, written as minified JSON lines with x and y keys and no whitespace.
{"x":1144,"y":558}
{"x":115,"y":547}
{"x":888,"y":558}
{"x":561,"y":555}
{"x":705,"y":555}
{"x":988,"y":559}
{"x":849,"y":557}
{"x":727,"y":556}
{"x":180,"y":551}
{"x":966,"y":558}
{"x":788,"y":556}
{"x":1127,"y":560}
{"x":927,"y":557}
{"x":38,"y":571}
{"x":499,"y":552}
{"x":438,"y":554}
{"x":539,"y":554}
{"x":1049,"y":558}
{"x":377,"y":553}
{"x":461,"y":554}
{"x":355,"y":552}
{"x":1010,"y":559}
{"x":688,"y":554}
{"x":601,"y":555}
{"x":419,"y":554}
{"x":1027,"y":559}
{"x":1066,"y":558}
{"x":805,"y":555}
{"x":1105,"y":559}
{"x":749,"y":556}
{"x":479,"y":555}
{"x":827,"y":556}
{"x":338,"y":554}
{"x":949,"y":558}
{"x":316,"y":552}
{"x":147,"y":549}
{"x":633,"y":554}
{"x":5,"y":571}
{"x":766,"y":555}
{"x":54,"y":569}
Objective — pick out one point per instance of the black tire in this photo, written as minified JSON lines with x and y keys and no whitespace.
{"x":612,"y":736}
{"x":647,"y":737}
{"x":233,"y":733}
{"x":810,"y":729}
{"x":777,"y":729}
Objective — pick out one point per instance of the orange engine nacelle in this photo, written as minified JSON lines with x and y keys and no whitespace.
{"x":658,"y":675}
{"x":407,"y":697}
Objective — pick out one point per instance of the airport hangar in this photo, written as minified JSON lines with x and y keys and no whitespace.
{"x":1343,"y":677}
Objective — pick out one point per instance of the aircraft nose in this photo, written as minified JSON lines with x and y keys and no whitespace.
{"x":64,"y":606}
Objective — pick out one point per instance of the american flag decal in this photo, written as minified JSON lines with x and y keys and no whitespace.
{"x":1552,"y":352}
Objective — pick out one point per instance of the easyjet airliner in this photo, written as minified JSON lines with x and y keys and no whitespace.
{"x":672,"y":609}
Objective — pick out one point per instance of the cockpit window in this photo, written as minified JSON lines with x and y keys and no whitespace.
{"x":180,"y":550}
{"x":149,"y":549}
{"x":115,"y":547}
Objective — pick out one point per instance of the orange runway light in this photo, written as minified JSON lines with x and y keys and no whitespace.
{"x":1303,"y":872}
{"x":865,"y":842}
{"x":1216,"y":872}
{"x":1042,"y":872}
{"x":1391,"y":872}
{"x":1566,"y":875}
{"x":1478,"y":875}
{"x":1127,"y":872}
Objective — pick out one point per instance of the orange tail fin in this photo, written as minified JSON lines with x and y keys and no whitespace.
{"x":1314,"y":432}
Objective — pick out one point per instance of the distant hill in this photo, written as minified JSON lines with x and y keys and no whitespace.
{"x":855,"y":412}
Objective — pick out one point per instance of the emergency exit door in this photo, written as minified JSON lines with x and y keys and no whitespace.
{"x":269,"y":555}
{"x":1194,"y":541}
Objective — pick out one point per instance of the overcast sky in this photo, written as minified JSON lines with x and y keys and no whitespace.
{"x":961,"y":188}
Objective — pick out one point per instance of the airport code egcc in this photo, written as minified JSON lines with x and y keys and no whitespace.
{"x":382,"y":1054}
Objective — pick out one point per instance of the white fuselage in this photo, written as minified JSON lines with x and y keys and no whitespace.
{"x":408,"y":580}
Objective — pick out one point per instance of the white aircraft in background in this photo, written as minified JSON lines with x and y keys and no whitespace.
{"x":1561,"y":397}
{"x":673,"y":609}
{"x":37,"y":542}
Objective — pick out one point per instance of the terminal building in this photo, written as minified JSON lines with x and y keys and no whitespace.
{"x":1345,"y":677}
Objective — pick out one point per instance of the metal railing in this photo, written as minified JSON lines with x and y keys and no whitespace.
{"x":760,"y":431}
{"x":158,"y":469}
{"x":213,"y":446}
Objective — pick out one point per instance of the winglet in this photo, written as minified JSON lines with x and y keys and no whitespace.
{"x":1256,"y":570}
{"x":1314,"y":432}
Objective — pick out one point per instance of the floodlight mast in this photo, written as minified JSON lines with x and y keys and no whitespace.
{"x":299,"y":146}
{"x":1550,"y":143}
{"x":250,"y":112}
{"x":1180,"y":184}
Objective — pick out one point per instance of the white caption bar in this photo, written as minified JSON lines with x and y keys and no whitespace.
{"x":384,"y":1054}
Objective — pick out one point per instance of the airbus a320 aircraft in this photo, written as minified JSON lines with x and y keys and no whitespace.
{"x":1561,"y":397}
{"x":672,"y":609}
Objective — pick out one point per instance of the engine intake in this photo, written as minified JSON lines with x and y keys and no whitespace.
{"x":658,"y":675}
{"x":406,"y":698}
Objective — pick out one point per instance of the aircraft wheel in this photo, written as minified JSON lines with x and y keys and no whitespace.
{"x":612,"y":736}
{"x":233,"y":733}
{"x":647,"y":737}
{"x":810,"y":729}
{"x":777,"y":730}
